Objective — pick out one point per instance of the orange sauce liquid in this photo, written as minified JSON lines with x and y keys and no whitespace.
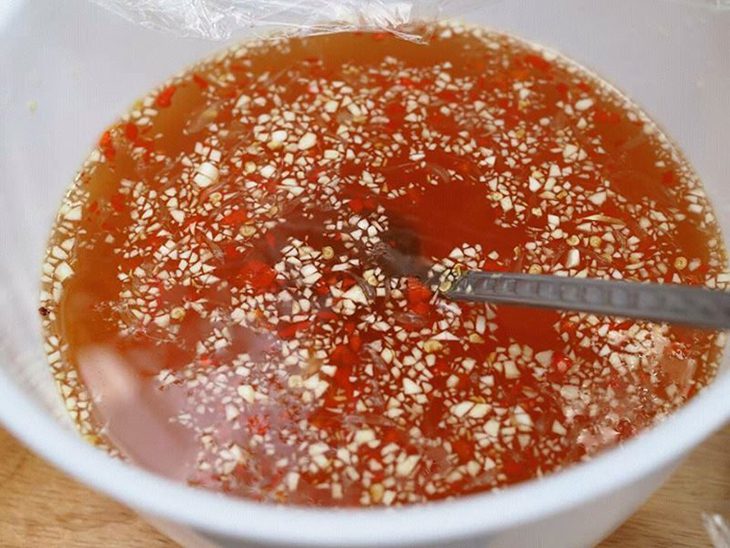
{"x":525,"y":160}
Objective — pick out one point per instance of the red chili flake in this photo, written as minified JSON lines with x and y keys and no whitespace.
{"x":519,"y":73}
{"x":343,"y":357}
{"x":391,"y":434}
{"x":192,"y":219}
{"x":504,"y":103}
{"x":669,"y":178}
{"x":616,"y":382}
{"x":518,"y":470}
{"x":270,"y":240}
{"x":200,"y":81}
{"x":464,"y":449}
{"x":493,"y":266}
{"x":107,"y":146}
{"x":370,"y":203}
{"x":442,"y":367}
{"x":355,"y":342}
{"x":154,"y":241}
{"x":313,"y":174}
{"x":118,"y":202}
{"x":347,"y":282}
{"x":432,"y":416}
{"x":147,"y":144}
{"x":257,"y":424}
{"x":355,"y":205}
{"x":560,"y":364}
{"x":625,"y":429}
{"x":418,"y":296}
{"x":345,"y":360}
{"x":440,"y":121}
{"x":231,"y":251}
{"x":235,"y":218}
{"x":416,"y":292}
{"x":326,"y":315}
{"x":324,"y":419}
{"x":289,"y":330}
{"x":229,"y":94}
{"x":538,"y":62}
{"x":349,"y":327}
{"x":620,"y":326}
{"x":105,"y":139}
{"x":420,"y":308}
{"x":342,"y":380}
{"x":206,"y":361}
{"x":679,"y":350}
{"x":602,"y":116}
{"x":563,"y":89}
{"x":258,"y":274}
{"x":395,"y":113}
{"x":133,"y":262}
{"x":321,"y":288}
{"x":566,"y":326}
{"x":164,"y":98}
{"x":131,"y":131}
{"x":448,"y":96}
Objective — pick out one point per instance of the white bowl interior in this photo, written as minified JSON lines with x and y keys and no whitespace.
{"x":69,"y":68}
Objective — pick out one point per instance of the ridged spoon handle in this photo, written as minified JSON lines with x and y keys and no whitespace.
{"x":671,"y":303}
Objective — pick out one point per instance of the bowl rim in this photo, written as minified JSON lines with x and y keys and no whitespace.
{"x":479,"y":514}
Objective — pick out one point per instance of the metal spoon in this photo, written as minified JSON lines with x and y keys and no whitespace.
{"x":673,"y":303}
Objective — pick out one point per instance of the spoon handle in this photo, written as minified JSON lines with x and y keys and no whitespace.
{"x":694,"y":306}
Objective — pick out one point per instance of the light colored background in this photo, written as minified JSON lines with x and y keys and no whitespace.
{"x":39,"y":506}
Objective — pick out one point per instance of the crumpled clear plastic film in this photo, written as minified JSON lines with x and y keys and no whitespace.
{"x":219,"y":19}
{"x":718,"y":528}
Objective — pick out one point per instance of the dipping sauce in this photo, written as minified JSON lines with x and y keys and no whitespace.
{"x":215,"y":310}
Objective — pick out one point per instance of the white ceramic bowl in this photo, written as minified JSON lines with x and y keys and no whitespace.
{"x":68,"y":69}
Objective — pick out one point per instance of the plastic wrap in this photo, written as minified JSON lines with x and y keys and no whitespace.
{"x":718,"y":528}
{"x":219,"y":19}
